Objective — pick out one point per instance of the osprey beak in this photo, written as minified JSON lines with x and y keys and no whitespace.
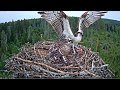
{"x":81,"y":33}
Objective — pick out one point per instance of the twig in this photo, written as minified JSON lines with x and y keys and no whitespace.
{"x":91,"y":73}
{"x":44,"y":67}
{"x":35,"y":50}
{"x":39,"y":52}
{"x":70,"y":66}
{"x":28,"y":61}
{"x":40,"y":64}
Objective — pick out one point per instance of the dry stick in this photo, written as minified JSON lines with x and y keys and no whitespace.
{"x":70,"y":66}
{"x":41,"y":55}
{"x":39,"y":64}
{"x":83,"y":56}
{"x":108,"y":70}
{"x":34,"y":49}
{"x":26,"y":53}
{"x":48,"y":71}
{"x":39,"y":52}
{"x":78,"y":62}
{"x":91,"y":73}
{"x":87,"y":70}
{"x":63,"y":56}
{"x":88,"y":61}
{"x":67,"y":66}
{"x":90,"y":57}
{"x":45,"y":65}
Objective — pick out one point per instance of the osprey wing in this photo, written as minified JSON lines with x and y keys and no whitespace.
{"x":89,"y":17}
{"x":55,"y":19}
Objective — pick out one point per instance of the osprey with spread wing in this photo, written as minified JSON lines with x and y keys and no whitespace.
{"x":60,"y":23}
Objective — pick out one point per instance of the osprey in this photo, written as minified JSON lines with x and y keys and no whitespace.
{"x":60,"y":23}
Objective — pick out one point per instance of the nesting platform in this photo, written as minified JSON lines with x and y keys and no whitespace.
{"x":48,"y":60}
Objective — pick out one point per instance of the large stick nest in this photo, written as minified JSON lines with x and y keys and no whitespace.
{"x":53,"y":60}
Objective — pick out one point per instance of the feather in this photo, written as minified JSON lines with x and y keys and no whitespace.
{"x":89,"y":17}
{"x":55,"y":18}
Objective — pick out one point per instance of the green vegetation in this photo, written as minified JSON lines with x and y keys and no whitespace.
{"x":102,"y":37}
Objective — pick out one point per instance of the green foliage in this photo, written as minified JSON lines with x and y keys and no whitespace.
{"x":102,"y":37}
{"x":3,"y":41}
{"x":108,"y":46}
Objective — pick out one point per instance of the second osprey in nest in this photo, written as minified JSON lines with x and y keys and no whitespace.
{"x":60,"y":23}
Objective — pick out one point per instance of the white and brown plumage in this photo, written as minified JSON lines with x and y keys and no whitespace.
{"x":60,"y":23}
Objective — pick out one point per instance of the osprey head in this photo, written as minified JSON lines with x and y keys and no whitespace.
{"x":80,"y":32}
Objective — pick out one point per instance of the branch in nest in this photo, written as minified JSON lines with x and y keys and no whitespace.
{"x":34,"y":49}
{"x":70,"y":66}
{"x":91,"y":73}
{"x":28,"y":61}
{"x":78,"y":63}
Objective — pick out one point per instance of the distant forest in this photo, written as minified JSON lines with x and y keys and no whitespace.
{"x":103,"y":37}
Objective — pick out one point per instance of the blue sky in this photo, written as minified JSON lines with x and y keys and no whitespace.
{"x":6,"y":16}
